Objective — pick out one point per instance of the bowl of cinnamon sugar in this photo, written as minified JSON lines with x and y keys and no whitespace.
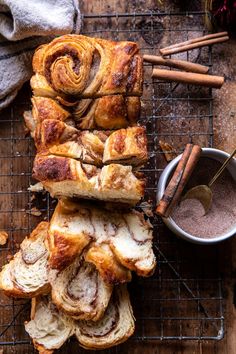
{"x":188,"y":219}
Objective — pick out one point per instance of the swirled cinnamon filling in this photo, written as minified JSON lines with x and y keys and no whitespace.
{"x":83,"y":285}
{"x":104,"y":326}
{"x":65,"y":51}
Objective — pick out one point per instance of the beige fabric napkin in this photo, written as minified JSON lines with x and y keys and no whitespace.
{"x":25,"y":24}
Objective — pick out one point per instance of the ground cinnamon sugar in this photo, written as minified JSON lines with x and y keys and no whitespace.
{"x":189,"y":214}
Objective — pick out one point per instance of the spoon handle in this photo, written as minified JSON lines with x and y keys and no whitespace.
{"x":218,"y":173}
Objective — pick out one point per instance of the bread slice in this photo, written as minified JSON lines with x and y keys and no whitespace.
{"x":26,"y":274}
{"x":114,"y":328}
{"x":132,"y":244}
{"x":79,"y":291}
{"x":108,"y":112}
{"x":49,"y":328}
{"x":80,"y":66}
{"x":124,"y":146}
{"x":57,"y":138}
{"x":65,"y":177}
{"x":70,"y":231}
{"x":75,"y":225}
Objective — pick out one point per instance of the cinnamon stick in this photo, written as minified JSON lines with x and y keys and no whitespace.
{"x":198,"y":39}
{"x":178,"y":64}
{"x":189,"y":78}
{"x":185,"y":48}
{"x":191,"y":164}
{"x":180,"y":177}
{"x":173,"y":184}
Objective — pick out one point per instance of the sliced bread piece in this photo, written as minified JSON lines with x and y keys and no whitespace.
{"x":127,"y":234}
{"x":65,"y":177}
{"x":132,"y":244}
{"x":127,"y":147}
{"x":123,"y":146}
{"x":49,"y":328}
{"x":70,"y":231}
{"x":79,"y":291}
{"x":26,"y":274}
{"x":108,"y":112}
{"x":58,"y":138}
{"x":116,"y":326}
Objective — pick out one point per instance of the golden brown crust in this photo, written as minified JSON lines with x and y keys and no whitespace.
{"x":63,"y":245}
{"x":66,"y":177}
{"x":53,"y":169}
{"x":114,"y":112}
{"x":41,"y":87}
{"x":117,"y":242}
{"x":108,"y":112}
{"x":90,"y":67}
{"x":57,"y":138}
{"x":37,"y":58}
{"x":47,"y":108}
{"x":133,"y":105}
{"x":108,"y":266}
{"x":125,"y":146}
{"x":41,"y":348}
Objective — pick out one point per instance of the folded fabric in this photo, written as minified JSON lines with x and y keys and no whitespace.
{"x":24,"y":25}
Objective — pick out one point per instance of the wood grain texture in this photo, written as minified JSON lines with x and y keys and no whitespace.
{"x":225,"y":63}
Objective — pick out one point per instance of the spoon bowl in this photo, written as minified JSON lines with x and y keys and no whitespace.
{"x":203,"y":192}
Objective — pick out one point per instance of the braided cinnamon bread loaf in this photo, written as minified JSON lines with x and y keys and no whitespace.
{"x":94,"y":82}
{"x":26,"y":274}
{"x":108,"y":266}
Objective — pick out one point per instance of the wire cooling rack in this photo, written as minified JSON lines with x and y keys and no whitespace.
{"x":183,"y":299}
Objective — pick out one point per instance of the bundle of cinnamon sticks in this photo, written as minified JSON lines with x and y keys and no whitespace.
{"x":192,"y":73}
{"x":179,"y":179}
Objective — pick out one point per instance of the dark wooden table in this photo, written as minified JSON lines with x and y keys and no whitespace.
{"x":225,"y":138}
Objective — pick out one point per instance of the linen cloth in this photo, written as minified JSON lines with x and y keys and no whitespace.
{"x":24,"y":25}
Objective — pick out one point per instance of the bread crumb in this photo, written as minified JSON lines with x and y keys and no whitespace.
{"x":34,"y":211}
{"x":168,"y":150}
{"x":31,"y":199}
{"x":147,"y":208}
{"x":3,"y":240}
{"x":37,"y":188}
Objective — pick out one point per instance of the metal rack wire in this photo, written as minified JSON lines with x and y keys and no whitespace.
{"x":183,"y":299}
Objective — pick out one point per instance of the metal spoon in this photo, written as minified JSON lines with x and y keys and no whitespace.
{"x":203,"y":192}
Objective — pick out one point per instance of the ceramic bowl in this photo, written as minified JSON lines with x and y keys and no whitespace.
{"x":215,"y":154}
